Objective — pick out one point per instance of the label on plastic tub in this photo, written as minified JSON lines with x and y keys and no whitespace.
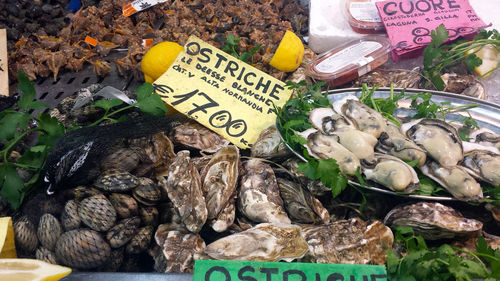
{"x":365,"y":11}
{"x":355,"y":54}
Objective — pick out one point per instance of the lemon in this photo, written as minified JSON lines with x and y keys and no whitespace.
{"x":31,"y":270}
{"x":158,"y":59}
{"x":289,"y":54}
{"x":491,"y":59}
{"x":7,"y":245}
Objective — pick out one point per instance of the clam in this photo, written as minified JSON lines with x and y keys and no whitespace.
{"x":97,"y":213}
{"x":114,"y":262}
{"x":179,"y":249}
{"x":45,"y":255}
{"x":433,"y":221}
{"x":123,"y":231}
{"x":82,"y":249}
{"x":391,"y":172}
{"x":348,"y":242}
{"x":439,"y":139}
{"x":269,"y":144}
{"x":263,"y":242}
{"x":121,"y":159}
{"x":147,"y":192}
{"x":70,"y":218}
{"x":219,"y":180}
{"x":324,"y":147}
{"x":49,"y":230}
{"x":483,"y":164}
{"x":258,"y":197}
{"x":300,"y":204}
{"x":116,"y":181}
{"x":149,"y":215}
{"x":182,"y":183}
{"x":140,"y":241}
{"x":25,"y":235}
{"x":455,"y":180}
{"x":486,"y":137}
{"x":125,"y":205}
{"x":366,"y":119}
{"x":394,"y":143}
{"x":81,"y":192}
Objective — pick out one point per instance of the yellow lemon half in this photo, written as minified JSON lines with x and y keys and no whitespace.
{"x":7,"y":245}
{"x":31,"y":270}
{"x":158,"y":59}
{"x":490,"y":55}
{"x":289,"y":54}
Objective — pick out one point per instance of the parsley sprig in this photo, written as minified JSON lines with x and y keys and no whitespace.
{"x":232,"y":47}
{"x":386,"y":106}
{"x":438,"y":56}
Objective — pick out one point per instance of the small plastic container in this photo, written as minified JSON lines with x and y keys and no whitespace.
{"x":349,"y":61}
{"x":363,"y":16}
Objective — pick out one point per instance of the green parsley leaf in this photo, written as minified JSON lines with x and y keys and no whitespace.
{"x":107,"y":104}
{"x":12,"y":185}
{"x":10,"y":123}
{"x":150,"y":102}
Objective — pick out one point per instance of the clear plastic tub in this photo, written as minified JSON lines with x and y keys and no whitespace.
{"x":363,"y":16}
{"x":349,"y":61}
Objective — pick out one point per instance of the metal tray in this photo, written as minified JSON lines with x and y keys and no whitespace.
{"x":486,"y":114}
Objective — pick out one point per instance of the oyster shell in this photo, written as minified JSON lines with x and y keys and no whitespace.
{"x":82,"y":249}
{"x":69,"y":217}
{"x":495,"y":211}
{"x":391,"y":172}
{"x":154,"y":150}
{"x":327,"y":121}
{"x":147,"y":192}
{"x":141,"y":240}
{"x":182,"y":183}
{"x":316,"y":187}
{"x":123,"y":231}
{"x":394,"y":143}
{"x":45,"y":255}
{"x":366,"y":119}
{"x":348,"y":242}
{"x":301,"y":205}
{"x":433,"y":221}
{"x":121,"y":159}
{"x":194,"y":135}
{"x":269,"y":144}
{"x":226,"y":217}
{"x":125,"y":205}
{"x":219,"y":180}
{"x":324,"y":147}
{"x":25,"y":235}
{"x":439,"y":139}
{"x":486,"y":137}
{"x":49,"y":230}
{"x":483,"y":165}
{"x":116,"y":181}
{"x":455,"y":180}
{"x":97,"y":213}
{"x":258,"y":197}
{"x":263,"y":242}
{"x":179,"y":249}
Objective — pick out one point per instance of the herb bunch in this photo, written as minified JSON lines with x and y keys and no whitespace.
{"x":438,"y":56}
{"x":21,"y":174}
{"x":232,"y":47}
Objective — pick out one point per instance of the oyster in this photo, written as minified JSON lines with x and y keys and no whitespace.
{"x":391,"y":172}
{"x":455,"y":180}
{"x":394,"y":143}
{"x":194,"y":135}
{"x":97,"y":213}
{"x":178,"y":249}
{"x":125,"y":205}
{"x":327,"y":121}
{"x":263,"y":242}
{"x":301,"y":205}
{"x":49,"y":230}
{"x":70,"y":218}
{"x":348,"y":242}
{"x":495,"y":211}
{"x":141,"y":240}
{"x":154,"y":150}
{"x":82,"y":249}
{"x":147,"y":192}
{"x":25,"y":235}
{"x":324,"y":147}
{"x":316,"y":187}
{"x":438,"y":138}
{"x":123,"y":231}
{"x":366,"y":119}
{"x":116,"y":181}
{"x":483,"y":165}
{"x":45,"y":255}
{"x":182,"y":184}
{"x":259,"y":198}
{"x":269,"y":144}
{"x":226,"y":217}
{"x":485,"y":137}
{"x":219,"y":180}
{"x":121,"y":159}
{"x":433,"y":221}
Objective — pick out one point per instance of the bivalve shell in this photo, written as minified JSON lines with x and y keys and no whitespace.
{"x":49,"y":230}
{"x":140,"y":242}
{"x":25,"y":235}
{"x":121,"y":159}
{"x":147,"y":192}
{"x":70,"y":218}
{"x":125,"y":205}
{"x":97,"y":213}
{"x":83,"y":249}
{"x":116,"y":181}
{"x":81,"y":192}
{"x":149,"y":215}
{"x":45,"y":255}
{"x":114,"y":262}
{"x":121,"y":233}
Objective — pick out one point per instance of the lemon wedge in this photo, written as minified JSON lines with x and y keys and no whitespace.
{"x":31,"y":270}
{"x":289,"y":54}
{"x":7,"y":245}
{"x":490,"y":55}
{"x":158,"y":59}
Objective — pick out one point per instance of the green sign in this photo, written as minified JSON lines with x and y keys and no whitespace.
{"x":217,"y":270}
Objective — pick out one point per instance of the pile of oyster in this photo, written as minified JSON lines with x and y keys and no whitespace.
{"x":170,"y":202}
{"x":359,"y":137}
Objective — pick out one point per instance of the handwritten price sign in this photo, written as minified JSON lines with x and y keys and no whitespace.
{"x":221,"y":92}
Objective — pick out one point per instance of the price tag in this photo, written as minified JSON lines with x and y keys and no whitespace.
{"x":212,"y":270}
{"x":221,"y":92}
{"x":91,"y":41}
{"x":4,"y":67}
{"x":139,"y":5}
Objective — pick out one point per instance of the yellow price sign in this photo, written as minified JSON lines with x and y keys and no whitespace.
{"x":221,"y":92}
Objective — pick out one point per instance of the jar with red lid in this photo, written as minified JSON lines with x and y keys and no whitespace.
{"x":363,"y":16}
